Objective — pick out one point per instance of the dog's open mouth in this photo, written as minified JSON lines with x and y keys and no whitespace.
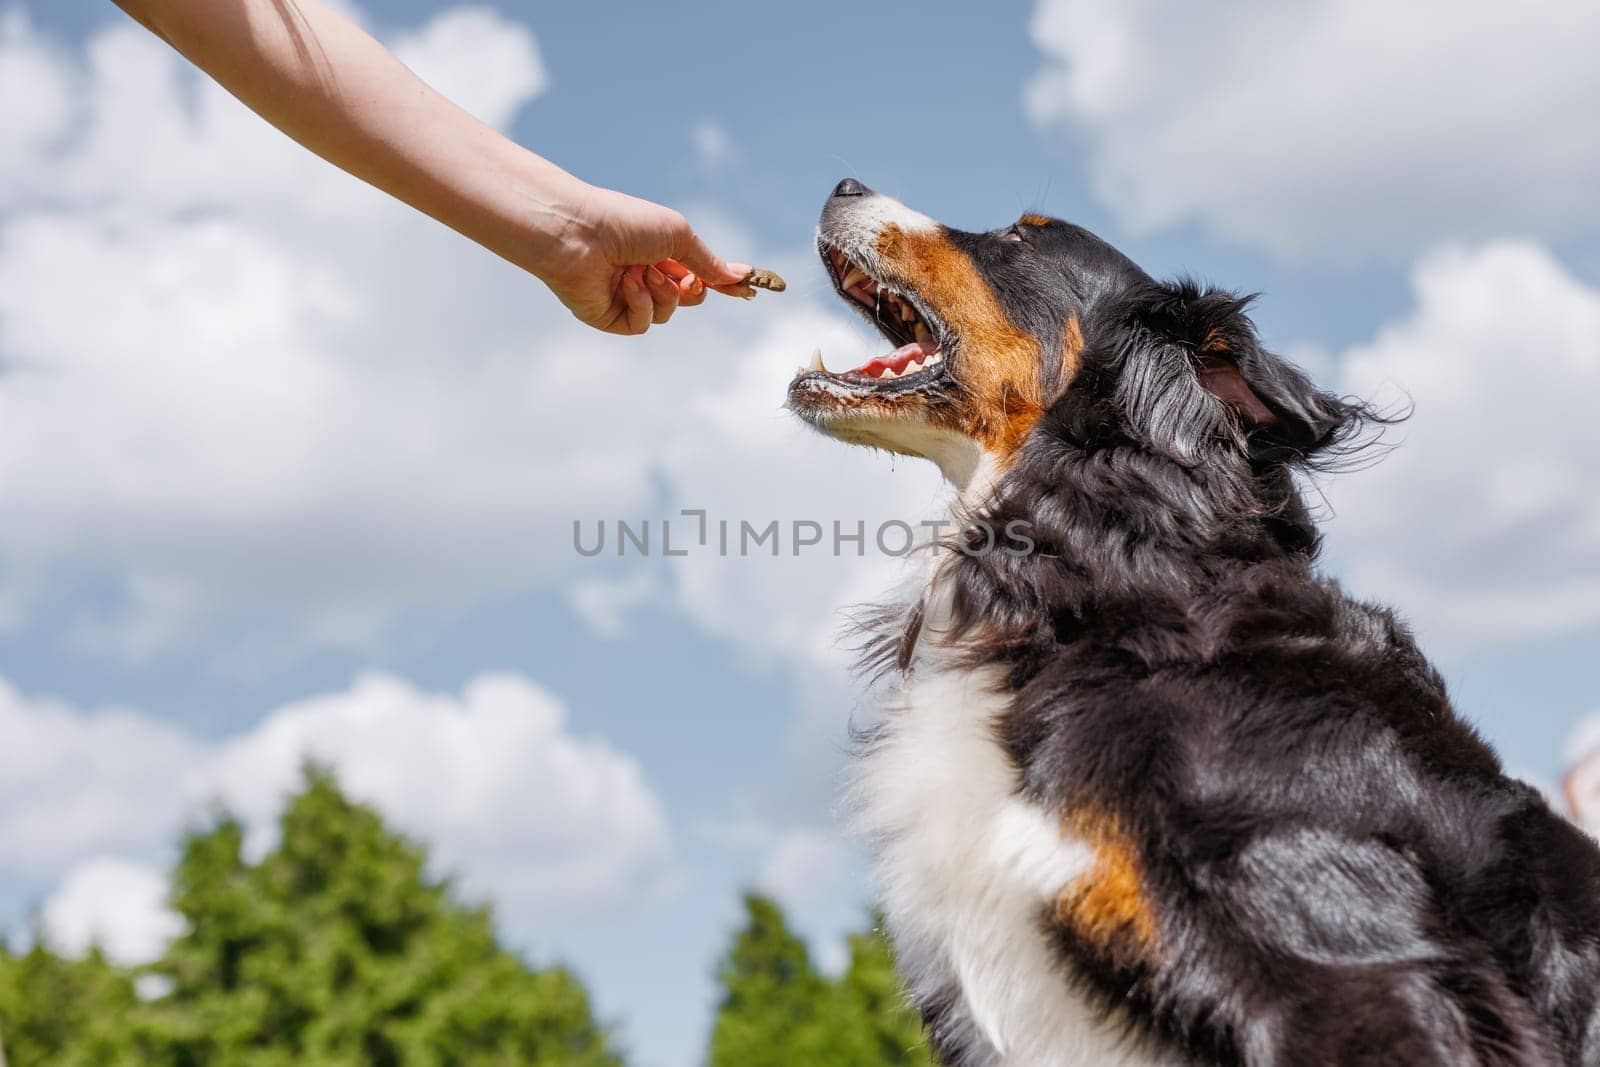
{"x":918,"y":360}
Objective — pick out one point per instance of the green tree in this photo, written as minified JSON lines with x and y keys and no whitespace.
{"x":772,"y":995}
{"x":335,"y":949}
{"x":778,"y":1011}
{"x":881,"y":1024}
{"x":67,"y":1013}
{"x":338,"y":949}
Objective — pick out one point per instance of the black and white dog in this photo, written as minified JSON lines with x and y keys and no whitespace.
{"x":1155,"y":791}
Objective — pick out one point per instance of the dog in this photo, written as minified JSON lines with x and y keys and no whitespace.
{"x":1154,"y":790}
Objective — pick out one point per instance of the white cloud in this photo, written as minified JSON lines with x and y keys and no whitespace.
{"x":238,"y":384}
{"x":802,"y":867}
{"x":750,"y":461}
{"x":713,"y":146}
{"x":274,"y":410}
{"x":785,"y":607}
{"x":1483,"y":524}
{"x":271,"y":409}
{"x":821,"y":880}
{"x":604,"y":603}
{"x":74,"y":783}
{"x":549,"y":825}
{"x":478,"y":58}
{"x":36,"y":91}
{"x":117,"y":905}
{"x":1330,"y":127}
{"x":814,"y":872}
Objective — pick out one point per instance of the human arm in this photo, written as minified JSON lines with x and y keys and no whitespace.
{"x":617,"y":262}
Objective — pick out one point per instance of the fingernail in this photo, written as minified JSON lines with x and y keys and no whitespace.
{"x":655,"y":277}
{"x":740,"y":270}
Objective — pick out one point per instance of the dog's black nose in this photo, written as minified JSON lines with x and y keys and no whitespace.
{"x":850,"y":187}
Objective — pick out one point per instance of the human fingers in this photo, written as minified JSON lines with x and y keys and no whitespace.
{"x":663,"y":295}
{"x":691,"y":290}
{"x":640,"y":307}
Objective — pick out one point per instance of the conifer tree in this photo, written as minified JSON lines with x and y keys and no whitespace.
{"x":335,"y":949}
{"x":778,"y":1011}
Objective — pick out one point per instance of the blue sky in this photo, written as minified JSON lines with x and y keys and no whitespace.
{"x":284,"y":468}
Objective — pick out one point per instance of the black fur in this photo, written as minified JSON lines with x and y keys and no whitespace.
{"x":1338,"y":868}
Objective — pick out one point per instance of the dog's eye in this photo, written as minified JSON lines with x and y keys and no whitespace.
{"x":1014,"y":234}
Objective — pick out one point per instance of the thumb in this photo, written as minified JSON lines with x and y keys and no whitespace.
{"x":692,"y":252}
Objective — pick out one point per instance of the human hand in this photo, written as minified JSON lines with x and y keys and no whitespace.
{"x":625,"y":264}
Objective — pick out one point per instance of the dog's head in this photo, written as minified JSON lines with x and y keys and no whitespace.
{"x":993,"y":330}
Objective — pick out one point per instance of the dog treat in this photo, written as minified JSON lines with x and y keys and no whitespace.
{"x":765,"y":279}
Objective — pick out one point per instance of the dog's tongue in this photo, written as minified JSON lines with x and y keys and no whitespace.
{"x":898,"y":360}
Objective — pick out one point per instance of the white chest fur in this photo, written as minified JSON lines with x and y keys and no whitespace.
{"x":967,"y":869}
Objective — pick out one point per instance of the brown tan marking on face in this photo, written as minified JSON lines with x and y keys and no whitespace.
{"x":985,"y":329}
{"x":999,"y":364}
{"x":1107,"y":906}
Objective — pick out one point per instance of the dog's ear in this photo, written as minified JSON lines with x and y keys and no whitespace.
{"x":1194,"y":371}
{"x":1224,"y":381}
{"x":1273,"y":402}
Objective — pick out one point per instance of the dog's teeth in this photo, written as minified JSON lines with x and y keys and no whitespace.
{"x":852,"y":276}
{"x":889,"y":372}
{"x":816,"y":361}
{"x":937,"y":357}
{"x":921,"y":332}
{"x":912,"y":367}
